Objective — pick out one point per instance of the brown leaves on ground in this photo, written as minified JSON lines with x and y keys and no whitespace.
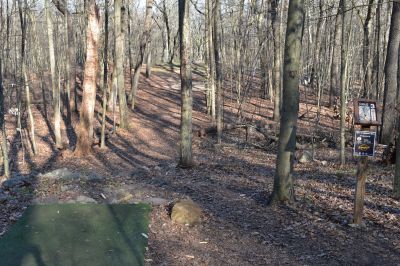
{"x":231,"y":183}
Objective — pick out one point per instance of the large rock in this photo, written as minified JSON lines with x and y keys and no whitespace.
{"x":60,"y":174}
{"x":305,"y":157}
{"x":85,"y":199}
{"x":186,"y":212}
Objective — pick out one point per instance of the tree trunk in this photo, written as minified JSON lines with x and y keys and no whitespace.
{"x":54,"y":87}
{"x":365,"y":61}
{"x":343,"y":87}
{"x":3,"y":134}
{"x":144,"y":41}
{"x":396,"y":181}
{"x":211,"y":58}
{"x":119,"y":63}
{"x":218,"y":69}
{"x":186,"y":85}
{"x":25,"y":78}
{"x":391,"y":71}
{"x":333,"y":91}
{"x":283,"y":183}
{"x":277,"y":59}
{"x":105,"y":77}
{"x":85,"y":133}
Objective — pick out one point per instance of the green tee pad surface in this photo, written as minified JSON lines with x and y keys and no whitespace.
{"x":77,"y":234}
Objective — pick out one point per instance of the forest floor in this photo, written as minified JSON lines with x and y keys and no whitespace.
{"x":231,"y":182}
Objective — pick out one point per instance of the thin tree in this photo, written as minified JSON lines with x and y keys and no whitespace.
{"x":186,"y":85}
{"x":105,"y":77}
{"x":85,"y":132}
{"x":343,"y":87}
{"x":218,"y":68}
{"x":144,"y":42}
{"x":283,"y":183}
{"x":3,"y":134}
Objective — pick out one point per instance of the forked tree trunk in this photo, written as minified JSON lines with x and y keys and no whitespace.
{"x":186,"y":85}
{"x":85,"y":133}
{"x":144,"y":41}
{"x":283,"y":183}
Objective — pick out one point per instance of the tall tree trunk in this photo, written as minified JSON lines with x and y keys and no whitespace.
{"x":365,"y":61}
{"x":391,"y":70}
{"x":144,"y":41}
{"x":24,"y":75}
{"x":283,"y":183}
{"x":186,"y":85}
{"x":3,"y":134}
{"x":119,"y":63}
{"x":85,"y":133}
{"x":62,"y":6}
{"x":333,"y":90}
{"x":376,"y":65}
{"x":277,"y":58}
{"x":218,"y":69}
{"x":55,"y":88}
{"x":105,"y":77}
{"x":343,"y":87}
{"x":211,"y":58}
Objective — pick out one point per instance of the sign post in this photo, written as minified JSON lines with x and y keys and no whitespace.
{"x":366,"y":114}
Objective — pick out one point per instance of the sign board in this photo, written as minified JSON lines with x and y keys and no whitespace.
{"x":364,"y":143}
{"x":366,"y":113}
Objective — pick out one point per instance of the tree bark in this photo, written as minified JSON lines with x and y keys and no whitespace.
{"x":85,"y":133}
{"x":277,"y":59}
{"x":54,"y":87}
{"x":186,"y":85}
{"x":3,"y":134}
{"x":366,"y":48}
{"x":218,"y":69}
{"x":119,"y":63}
{"x":105,"y":77}
{"x":391,"y":81}
{"x":343,"y":87}
{"x":283,"y":183}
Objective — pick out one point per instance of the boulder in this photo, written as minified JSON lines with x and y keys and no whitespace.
{"x":305,"y":157}
{"x":60,"y":174}
{"x":186,"y":212}
{"x":85,"y":199}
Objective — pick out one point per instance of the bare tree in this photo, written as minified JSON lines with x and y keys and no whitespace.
{"x":186,"y":85}
{"x":85,"y":133}
{"x":283,"y":183}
